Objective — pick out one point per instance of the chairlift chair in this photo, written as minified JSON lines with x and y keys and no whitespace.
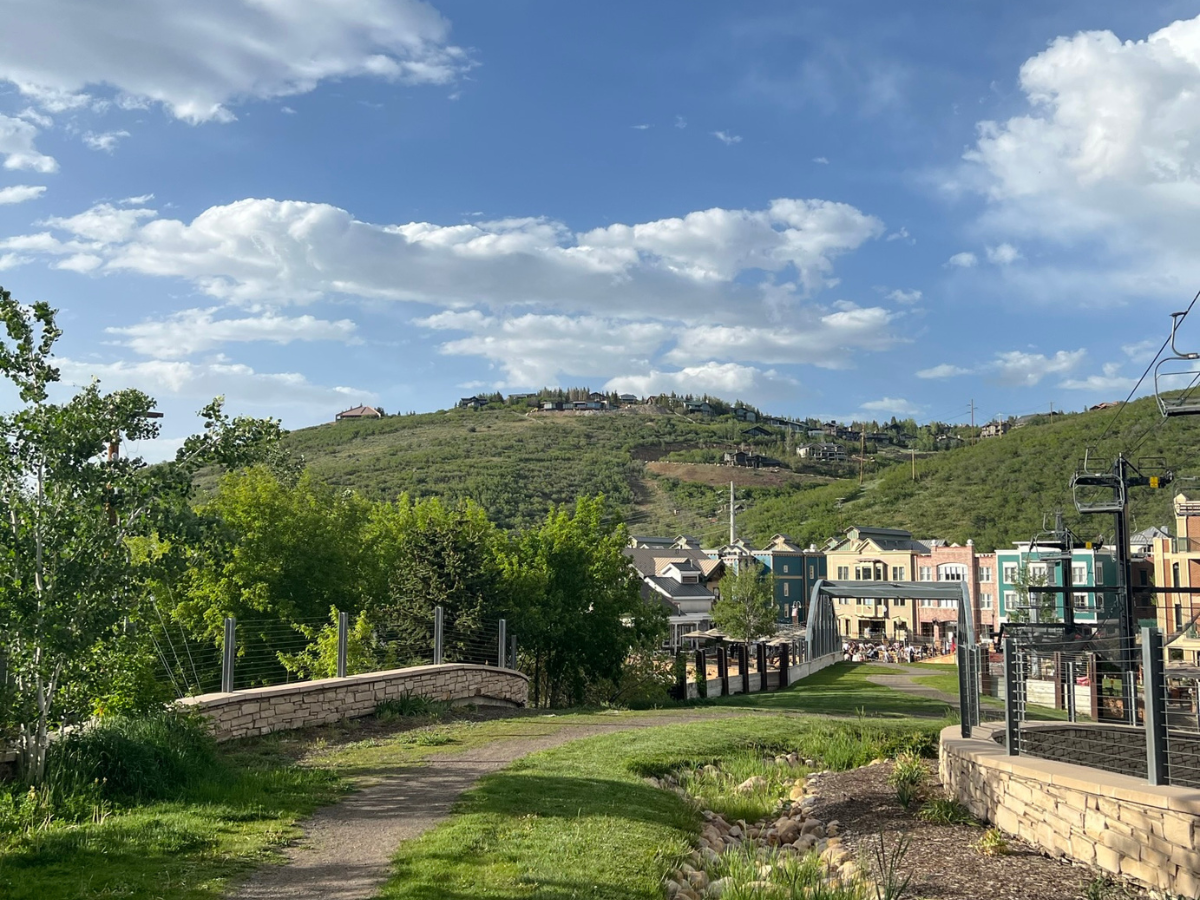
{"x":1170,"y":371}
{"x":1091,"y":478}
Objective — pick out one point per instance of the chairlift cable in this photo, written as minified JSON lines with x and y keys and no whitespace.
{"x":1150,"y":365}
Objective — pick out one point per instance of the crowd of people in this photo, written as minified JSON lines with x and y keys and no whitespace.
{"x":895,"y":652}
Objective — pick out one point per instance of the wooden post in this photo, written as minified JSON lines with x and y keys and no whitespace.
{"x":784,"y":664}
{"x":701,"y":674}
{"x":744,"y":666}
{"x":762,"y":667}
{"x":723,"y":670}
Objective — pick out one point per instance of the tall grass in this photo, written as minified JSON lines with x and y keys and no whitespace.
{"x":716,"y":788}
{"x":122,"y":758}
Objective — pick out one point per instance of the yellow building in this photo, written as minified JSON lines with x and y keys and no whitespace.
{"x":874,"y":554}
{"x":1177,"y":564}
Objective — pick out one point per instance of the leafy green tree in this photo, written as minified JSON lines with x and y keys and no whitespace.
{"x":277,"y":557}
{"x":576,"y":602}
{"x":1032,"y":606}
{"x":746,"y":610}
{"x":71,"y":506}
{"x":426,"y":554}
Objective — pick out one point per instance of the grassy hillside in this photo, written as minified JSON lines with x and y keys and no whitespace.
{"x":516,"y":465}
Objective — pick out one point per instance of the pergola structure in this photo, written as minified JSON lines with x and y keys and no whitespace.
{"x":823,"y":636}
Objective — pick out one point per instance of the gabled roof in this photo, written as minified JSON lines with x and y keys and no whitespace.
{"x":361,"y":412}
{"x":783,"y":542}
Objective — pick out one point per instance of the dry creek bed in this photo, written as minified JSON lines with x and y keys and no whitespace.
{"x":840,"y":816}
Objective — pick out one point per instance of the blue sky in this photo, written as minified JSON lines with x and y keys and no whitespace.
{"x":838,"y":209}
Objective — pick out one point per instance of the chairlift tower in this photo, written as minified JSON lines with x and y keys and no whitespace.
{"x":1088,"y":489}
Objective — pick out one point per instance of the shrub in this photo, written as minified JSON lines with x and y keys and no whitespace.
{"x":144,"y":757}
{"x":944,"y":811}
{"x":908,"y":778}
{"x":992,"y":843}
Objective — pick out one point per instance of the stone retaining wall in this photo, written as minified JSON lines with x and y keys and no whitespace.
{"x":1119,"y":824}
{"x":287,"y":706}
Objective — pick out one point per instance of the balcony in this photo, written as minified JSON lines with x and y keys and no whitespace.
{"x":1185,"y":545}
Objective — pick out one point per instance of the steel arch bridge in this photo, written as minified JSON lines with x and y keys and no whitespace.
{"x":822,"y":627}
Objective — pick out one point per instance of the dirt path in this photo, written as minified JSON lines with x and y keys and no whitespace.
{"x":902,"y":680}
{"x":346,"y":848}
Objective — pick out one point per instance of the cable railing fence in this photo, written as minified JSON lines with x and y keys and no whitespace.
{"x":262,"y":652}
{"x":1108,"y":704}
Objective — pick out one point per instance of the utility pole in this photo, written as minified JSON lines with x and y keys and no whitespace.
{"x":732,"y":528}
{"x":972,"y":413}
{"x":862,"y":451}
{"x":913,"y":453}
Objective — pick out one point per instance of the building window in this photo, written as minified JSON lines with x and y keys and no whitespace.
{"x":1037,"y":570}
{"x":1010,"y":601}
{"x":1081,"y":601}
{"x":900,"y":602}
{"x":985,"y":573}
{"x":785,"y":593}
{"x":785,"y":568}
{"x":843,"y":573}
{"x":1078,"y":574}
{"x":1099,"y":574}
{"x":1010,"y":574}
{"x":925,"y":573}
{"x":812,"y":571}
{"x":985,"y":601}
{"x":952,"y":572}
{"x":897,"y":573}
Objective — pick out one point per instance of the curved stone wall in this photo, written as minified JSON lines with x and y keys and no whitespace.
{"x":287,"y":706}
{"x":1120,"y":824}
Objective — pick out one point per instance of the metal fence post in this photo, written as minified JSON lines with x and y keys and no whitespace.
{"x":437,"y":635}
{"x":1072,"y":711}
{"x":1011,"y":714}
{"x":228,"y":655}
{"x":965,"y":689}
{"x":501,"y":644}
{"x":1155,"y":687}
{"x":343,"y":642}
{"x":512,"y":651}
{"x":1129,"y":689}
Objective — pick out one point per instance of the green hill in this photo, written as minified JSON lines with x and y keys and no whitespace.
{"x":658,"y":468}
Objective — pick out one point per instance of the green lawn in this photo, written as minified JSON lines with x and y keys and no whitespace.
{"x":580,"y":821}
{"x":842,"y":689}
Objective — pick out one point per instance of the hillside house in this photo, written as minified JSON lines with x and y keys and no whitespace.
{"x":994,"y":429}
{"x":745,"y":415}
{"x":627,"y":399}
{"x":743,"y":459}
{"x":472,"y":403}
{"x":699,"y":407}
{"x":359,"y":412}
{"x":756,"y":431}
{"x":822,"y":452}
{"x":552,"y":405}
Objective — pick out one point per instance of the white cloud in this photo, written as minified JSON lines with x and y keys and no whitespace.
{"x":1103,"y":160}
{"x":79,"y":262}
{"x":16,"y":146}
{"x":286,"y":251}
{"x":641,"y":127}
{"x":901,"y":235}
{"x":726,"y":138}
{"x":19,"y":193}
{"x":105,"y":142}
{"x":1016,"y":367}
{"x":944,"y":370}
{"x":821,"y":160}
{"x":533,"y":298}
{"x":964,"y":260}
{"x":1108,"y":381}
{"x":905,"y":297}
{"x":720,"y":379}
{"x":196,"y":330}
{"x":12,"y":260}
{"x":140,"y":200}
{"x":287,"y":110}
{"x":1141,"y":351}
{"x":203,"y":381}
{"x":536,"y":350}
{"x":1003,"y":255}
{"x":680,"y":122}
{"x":29,"y":114}
{"x":196,"y":61}
{"x":895,"y":405}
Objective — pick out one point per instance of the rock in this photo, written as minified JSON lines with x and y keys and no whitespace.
{"x":811,"y":826}
{"x":847,"y":871}
{"x":833,"y":828}
{"x":711,"y":771}
{"x":751,"y":784}
{"x":736,"y":832}
{"x":698,"y":880}
{"x":793,"y":759}
{"x":717,"y":888}
{"x":804,"y":843}
{"x":672,"y":889}
{"x":790,"y":831}
{"x":810,"y":763}
{"x":796,"y":793}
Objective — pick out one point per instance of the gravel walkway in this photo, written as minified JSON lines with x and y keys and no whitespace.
{"x":346,"y":848}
